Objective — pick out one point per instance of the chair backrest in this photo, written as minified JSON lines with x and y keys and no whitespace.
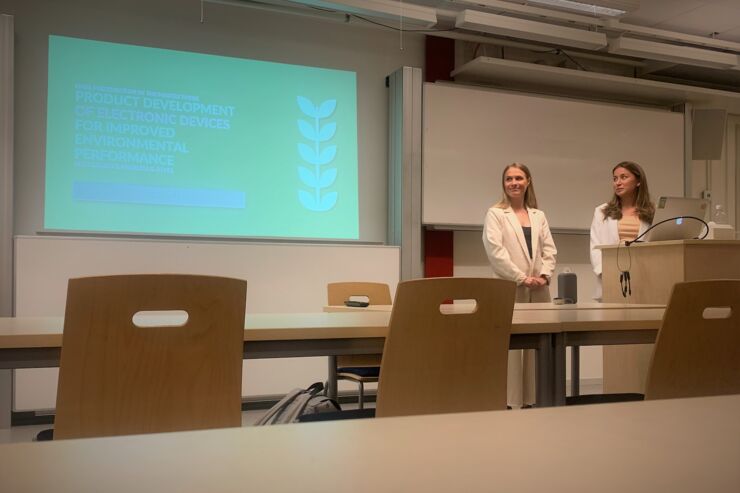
{"x":119,"y":378}
{"x":697,"y":354}
{"x":377,"y":293}
{"x":440,"y":363}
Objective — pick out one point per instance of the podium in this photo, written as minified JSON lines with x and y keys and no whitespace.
{"x":654,"y":269}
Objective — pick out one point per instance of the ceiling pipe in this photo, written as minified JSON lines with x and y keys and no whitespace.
{"x":446,"y":18}
{"x":478,"y":38}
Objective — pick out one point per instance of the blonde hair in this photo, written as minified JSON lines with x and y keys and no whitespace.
{"x":530,"y":199}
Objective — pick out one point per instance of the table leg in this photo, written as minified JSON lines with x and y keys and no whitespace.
{"x":575,"y":370}
{"x":543,"y":370}
{"x":558,"y":372}
{"x":331,"y":384}
{"x":6,"y":397}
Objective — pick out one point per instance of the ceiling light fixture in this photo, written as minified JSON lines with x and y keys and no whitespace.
{"x":672,"y":53}
{"x":588,"y":8}
{"x":532,"y":30}
{"x":410,"y":13}
{"x":528,"y":11}
{"x":614,"y":25}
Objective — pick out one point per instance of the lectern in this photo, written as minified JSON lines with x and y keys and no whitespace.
{"x":654,"y":268}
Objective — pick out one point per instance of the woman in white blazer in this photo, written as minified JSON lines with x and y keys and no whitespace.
{"x":519,"y":246}
{"x":626,"y":216}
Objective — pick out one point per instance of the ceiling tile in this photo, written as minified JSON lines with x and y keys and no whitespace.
{"x":731,"y":35}
{"x":652,"y":12}
{"x":702,"y":21}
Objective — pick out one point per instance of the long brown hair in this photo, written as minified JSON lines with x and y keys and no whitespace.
{"x":530,"y":199}
{"x":644,"y":206}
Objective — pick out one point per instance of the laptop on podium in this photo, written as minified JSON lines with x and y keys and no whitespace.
{"x":682,"y":219}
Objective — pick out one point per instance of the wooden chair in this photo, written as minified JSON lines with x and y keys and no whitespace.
{"x":442,"y":363}
{"x":697,"y":354}
{"x":363,"y":368}
{"x":118,"y":378}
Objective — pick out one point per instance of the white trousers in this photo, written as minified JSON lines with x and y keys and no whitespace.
{"x":520,"y":381}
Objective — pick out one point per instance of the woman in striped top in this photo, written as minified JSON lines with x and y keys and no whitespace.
{"x":627,"y":215}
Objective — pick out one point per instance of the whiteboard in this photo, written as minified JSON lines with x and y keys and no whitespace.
{"x":471,"y":134}
{"x":282,"y":278}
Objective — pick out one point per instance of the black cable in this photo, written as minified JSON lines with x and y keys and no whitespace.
{"x":706,"y":228}
{"x":560,"y":51}
{"x":625,"y":284}
{"x":348,"y":15}
{"x":572,"y":60}
{"x":629,"y":256}
{"x":393,"y":28}
{"x":624,"y":274}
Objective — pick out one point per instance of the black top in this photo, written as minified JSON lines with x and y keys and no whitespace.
{"x":528,"y":238}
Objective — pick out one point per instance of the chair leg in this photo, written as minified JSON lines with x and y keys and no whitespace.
{"x":362,"y":395}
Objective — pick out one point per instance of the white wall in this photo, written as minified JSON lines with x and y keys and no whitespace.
{"x":244,"y":32}
{"x":371,"y":52}
{"x":723,"y":180}
{"x":720,"y":176}
{"x":733,"y":165}
{"x":288,"y":278}
{"x":573,"y":254}
{"x":228,"y":30}
{"x":6,"y":164}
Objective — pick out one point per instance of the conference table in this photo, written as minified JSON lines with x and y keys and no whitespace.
{"x":573,"y":335}
{"x":674,"y":445}
{"x":452,"y":307}
{"x":35,"y":342}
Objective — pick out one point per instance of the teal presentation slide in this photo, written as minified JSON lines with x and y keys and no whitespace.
{"x":147,"y":140}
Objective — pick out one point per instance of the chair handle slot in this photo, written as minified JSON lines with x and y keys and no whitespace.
{"x":717,"y":312}
{"x":359,"y":297}
{"x":160,"y":318}
{"x":459,"y":307}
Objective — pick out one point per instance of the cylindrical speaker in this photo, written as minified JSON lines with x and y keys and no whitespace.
{"x":568,"y":287}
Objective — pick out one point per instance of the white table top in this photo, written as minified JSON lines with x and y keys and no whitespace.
{"x":30,"y":332}
{"x":663,"y":243}
{"x":517,"y":306}
{"x":677,"y":446}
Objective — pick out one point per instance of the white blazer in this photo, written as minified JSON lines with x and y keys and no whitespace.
{"x":503,"y":239}
{"x":604,"y":231}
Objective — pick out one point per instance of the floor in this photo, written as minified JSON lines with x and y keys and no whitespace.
{"x":19,"y":434}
